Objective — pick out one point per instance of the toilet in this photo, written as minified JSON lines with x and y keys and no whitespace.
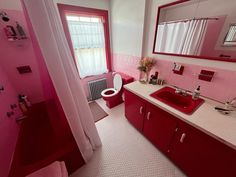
{"x":113,"y":96}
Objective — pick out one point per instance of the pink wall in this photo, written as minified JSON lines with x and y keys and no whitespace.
{"x":126,"y":63}
{"x":209,"y":46}
{"x":210,"y":41}
{"x":8,"y":127}
{"x":221,"y":88}
{"x":17,"y":54}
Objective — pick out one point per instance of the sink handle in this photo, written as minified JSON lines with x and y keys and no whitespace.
{"x":182,"y":137}
{"x":148,"y":115}
{"x":141,"y":110}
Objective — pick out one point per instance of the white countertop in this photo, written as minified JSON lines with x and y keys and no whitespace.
{"x":206,"y":118}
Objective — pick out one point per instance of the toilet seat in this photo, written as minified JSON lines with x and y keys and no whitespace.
{"x":107,"y":90}
{"x":117,"y":82}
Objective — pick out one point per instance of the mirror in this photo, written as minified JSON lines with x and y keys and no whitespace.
{"x":197,"y":28}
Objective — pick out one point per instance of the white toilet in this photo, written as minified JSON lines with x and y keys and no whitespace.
{"x":113,"y":96}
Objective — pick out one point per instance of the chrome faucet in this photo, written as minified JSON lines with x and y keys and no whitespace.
{"x":180,"y":91}
{"x":228,"y":107}
{"x":231,"y":103}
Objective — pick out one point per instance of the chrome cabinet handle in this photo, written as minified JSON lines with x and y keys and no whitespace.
{"x":148,"y":115}
{"x":182,"y":137}
{"x":141,"y":110}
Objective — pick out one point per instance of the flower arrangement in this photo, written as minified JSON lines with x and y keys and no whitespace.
{"x":145,"y":66}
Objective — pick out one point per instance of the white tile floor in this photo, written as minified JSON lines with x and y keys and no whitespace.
{"x":125,"y":152}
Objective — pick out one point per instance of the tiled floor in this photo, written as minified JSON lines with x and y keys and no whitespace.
{"x":125,"y":152}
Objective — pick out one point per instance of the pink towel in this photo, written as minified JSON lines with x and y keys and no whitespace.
{"x":56,"y":169}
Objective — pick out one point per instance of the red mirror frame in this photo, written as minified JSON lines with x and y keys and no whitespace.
{"x":179,"y":55}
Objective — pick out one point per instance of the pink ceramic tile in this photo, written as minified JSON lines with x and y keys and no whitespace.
{"x":222,"y":87}
{"x":8,"y":127}
{"x":20,"y":53}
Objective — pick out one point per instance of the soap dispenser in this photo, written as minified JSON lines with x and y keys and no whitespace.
{"x":196,"y":93}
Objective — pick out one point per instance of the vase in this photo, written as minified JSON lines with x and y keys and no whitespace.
{"x":144,"y":77}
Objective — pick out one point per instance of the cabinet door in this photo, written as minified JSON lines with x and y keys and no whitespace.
{"x":159,"y":127}
{"x":200,"y":155}
{"x":134,"y":109}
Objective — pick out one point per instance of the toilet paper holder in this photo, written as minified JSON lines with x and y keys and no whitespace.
{"x":178,"y":69}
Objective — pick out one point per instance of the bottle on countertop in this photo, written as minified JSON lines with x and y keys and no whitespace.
{"x":28,"y":104}
{"x":196,"y":93}
{"x":20,"y":31}
{"x":22,"y":104}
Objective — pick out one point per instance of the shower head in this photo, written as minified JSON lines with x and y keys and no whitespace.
{"x":4,"y":16}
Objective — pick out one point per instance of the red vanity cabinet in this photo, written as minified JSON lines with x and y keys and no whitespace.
{"x":159,"y":127}
{"x":200,"y":155}
{"x":195,"y":152}
{"x":134,"y":109}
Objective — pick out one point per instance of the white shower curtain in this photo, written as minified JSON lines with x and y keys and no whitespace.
{"x":181,"y":37}
{"x":58,"y":58}
{"x":170,"y":37}
{"x":194,"y":37}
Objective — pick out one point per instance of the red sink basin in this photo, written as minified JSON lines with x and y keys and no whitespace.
{"x":184,"y":104}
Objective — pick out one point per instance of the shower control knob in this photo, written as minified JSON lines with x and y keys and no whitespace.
{"x":9,"y":114}
{"x":13,"y":106}
{"x":1,"y":88}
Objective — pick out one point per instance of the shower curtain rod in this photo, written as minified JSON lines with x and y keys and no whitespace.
{"x":185,"y":20}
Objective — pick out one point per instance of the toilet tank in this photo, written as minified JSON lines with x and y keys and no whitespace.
{"x":126,"y":79}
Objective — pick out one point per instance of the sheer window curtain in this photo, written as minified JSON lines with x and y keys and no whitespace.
{"x":181,"y":37}
{"x":89,"y":47}
{"x":48,"y":29}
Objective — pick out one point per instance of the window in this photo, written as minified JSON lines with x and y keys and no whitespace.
{"x":230,"y":38}
{"x":87,"y":33}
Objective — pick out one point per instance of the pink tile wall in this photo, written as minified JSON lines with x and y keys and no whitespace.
{"x":209,"y":46}
{"x":126,"y":64}
{"x":20,"y":53}
{"x":221,"y":88}
{"x":8,"y":127}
